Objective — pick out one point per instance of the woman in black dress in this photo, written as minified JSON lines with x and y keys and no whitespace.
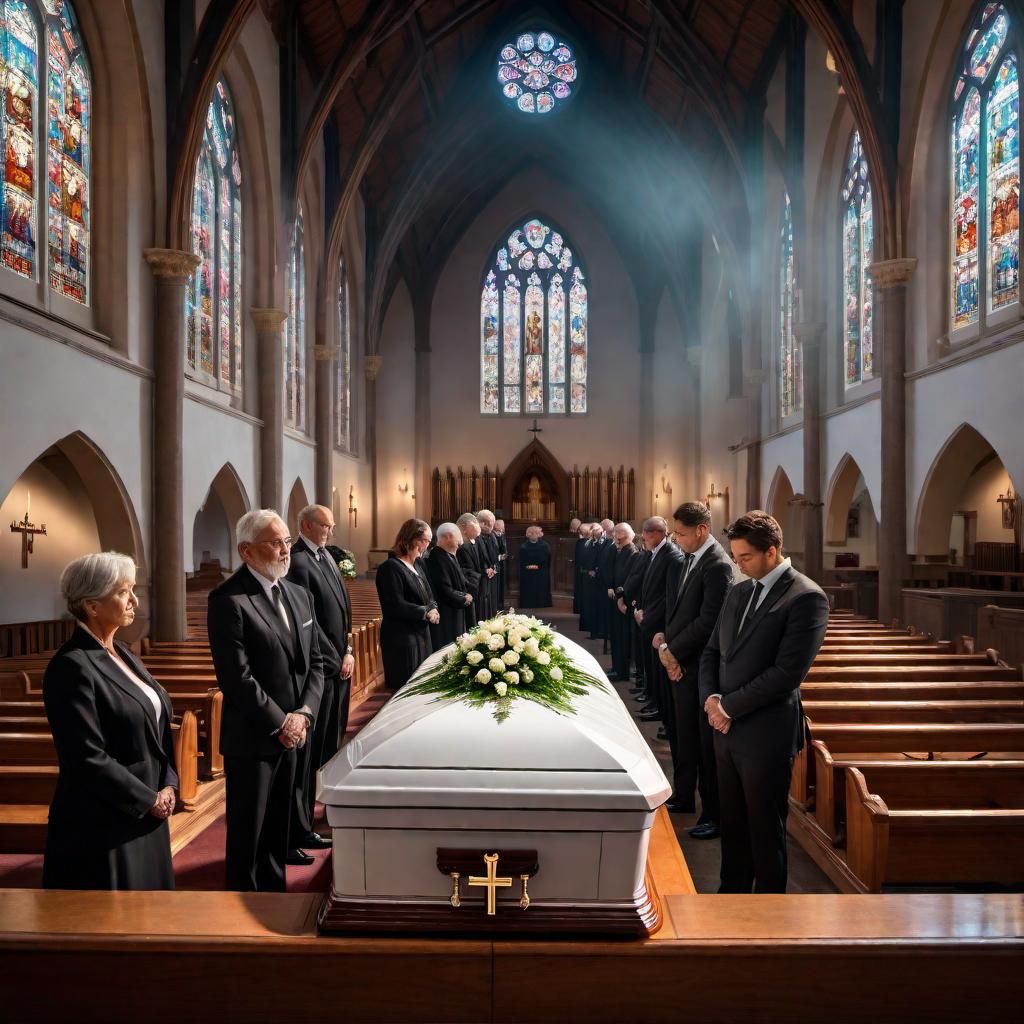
{"x":534,"y":570}
{"x":407,"y":605}
{"x":111,"y":724}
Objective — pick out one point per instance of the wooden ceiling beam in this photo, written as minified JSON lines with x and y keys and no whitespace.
{"x":737,"y":32}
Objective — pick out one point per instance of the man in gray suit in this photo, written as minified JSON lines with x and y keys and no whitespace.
{"x":767,"y":636}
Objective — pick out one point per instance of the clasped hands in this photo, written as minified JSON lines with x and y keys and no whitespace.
{"x":163,"y":806}
{"x":491,"y":573}
{"x":717,"y":717}
{"x":469,"y":598}
{"x":667,"y":658}
{"x":433,"y":616}
{"x":293,"y":730}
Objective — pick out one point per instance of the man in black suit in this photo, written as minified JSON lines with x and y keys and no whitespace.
{"x":489,"y":549}
{"x":696,"y":592}
{"x":767,"y":636}
{"x":502,"y":541}
{"x":313,"y":568}
{"x":450,"y":586}
{"x":585,"y":556}
{"x":266,"y":653}
{"x":574,"y":529}
{"x":605,"y":567}
{"x":621,"y":628}
{"x":631,"y":598}
{"x":470,"y":557}
{"x":650,"y":612}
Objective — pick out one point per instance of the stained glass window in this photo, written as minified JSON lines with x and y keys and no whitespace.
{"x":68,"y":144}
{"x":985,"y":150}
{"x":343,"y":383}
{"x":537,"y":72}
{"x":858,"y":250}
{"x":19,"y":53}
{"x":790,"y":367}
{"x":213,"y":303}
{"x":532,"y":303}
{"x":295,"y":331}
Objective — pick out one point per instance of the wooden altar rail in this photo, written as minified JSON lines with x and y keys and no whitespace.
{"x":451,"y":494}
{"x":605,"y":494}
{"x":21,"y":638}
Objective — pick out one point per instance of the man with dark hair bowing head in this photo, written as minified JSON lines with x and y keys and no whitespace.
{"x":767,"y":636}
{"x":266,"y":653}
{"x":697,"y":588}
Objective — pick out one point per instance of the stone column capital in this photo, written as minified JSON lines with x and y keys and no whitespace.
{"x":808,"y":333}
{"x":267,"y":319}
{"x":325,"y":353}
{"x":891,"y":273}
{"x":371,"y":366}
{"x":171,"y":262}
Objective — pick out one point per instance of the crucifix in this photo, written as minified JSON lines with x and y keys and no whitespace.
{"x":535,"y":430}
{"x":28,"y":533}
{"x":491,"y":882}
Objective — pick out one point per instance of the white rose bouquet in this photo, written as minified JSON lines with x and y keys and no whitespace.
{"x":347,"y":564}
{"x":510,"y":657}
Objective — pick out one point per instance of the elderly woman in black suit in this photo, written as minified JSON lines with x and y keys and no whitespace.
{"x":111,"y":724}
{"x":407,"y":605}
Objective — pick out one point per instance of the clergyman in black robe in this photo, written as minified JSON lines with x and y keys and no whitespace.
{"x":534,"y":571}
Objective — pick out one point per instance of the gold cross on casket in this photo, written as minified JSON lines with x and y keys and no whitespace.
{"x":492,"y":882}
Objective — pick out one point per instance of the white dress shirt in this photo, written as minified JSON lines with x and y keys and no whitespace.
{"x":147,"y":691}
{"x":692,"y":562}
{"x":277,"y":602}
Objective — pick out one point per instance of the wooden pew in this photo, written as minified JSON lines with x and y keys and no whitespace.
{"x":927,"y":845}
{"x":874,"y":738}
{"x":903,"y":640}
{"x":920,"y":711}
{"x":972,"y":689}
{"x":933,"y":783}
{"x":861,"y":648}
{"x":910,"y":673}
{"x":27,"y":785}
{"x":826,"y":659}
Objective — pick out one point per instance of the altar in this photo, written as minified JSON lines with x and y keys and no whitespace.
{"x":445,"y":819}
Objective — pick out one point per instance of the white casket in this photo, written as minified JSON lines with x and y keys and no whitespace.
{"x":430,"y":786}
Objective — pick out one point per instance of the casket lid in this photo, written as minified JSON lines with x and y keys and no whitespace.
{"x":421,"y":751}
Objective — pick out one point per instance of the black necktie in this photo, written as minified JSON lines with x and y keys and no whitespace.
{"x":751,"y":606}
{"x":686,"y":568}
{"x":275,"y":593}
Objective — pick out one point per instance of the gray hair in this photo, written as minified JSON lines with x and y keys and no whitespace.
{"x":466,"y":517}
{"x":486,"y":515}
{"x":307,"y":514}
{"x":624,"y":528}
{"x":607,"y":524}
{"x":93,"y":577}
{"x":253,"y":523}
{"x":448,"y":529}
{"x":656,"y":523}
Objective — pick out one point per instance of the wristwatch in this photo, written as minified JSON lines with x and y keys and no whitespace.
{"x":348,"y":650}
{"x":663,"y":647}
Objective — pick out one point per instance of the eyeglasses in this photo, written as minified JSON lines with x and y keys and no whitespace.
{"x":281,"y":545}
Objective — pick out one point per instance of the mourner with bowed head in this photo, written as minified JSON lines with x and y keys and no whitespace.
{"x":111,"y":723}
{"x":407,"y":604}
{"x":471,"y":561}
{"x":450,"y":587}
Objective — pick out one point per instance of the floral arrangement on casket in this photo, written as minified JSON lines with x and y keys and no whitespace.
{"x":347,"y":564}
{"x":510,"y":657}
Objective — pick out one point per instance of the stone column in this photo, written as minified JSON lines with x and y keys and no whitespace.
{"x":371,"y":367}
{"x":421,"y":405}
{"x":753,"y":387}
{"x":890,"y":279}
{"x":325,"y":358}
{"x":271,"y":377}
{"x":809,"y":336}
{"x":695,"y":362}
{"x":172,"y":269}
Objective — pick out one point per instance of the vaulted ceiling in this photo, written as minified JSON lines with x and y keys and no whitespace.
{"x":655,"y":140}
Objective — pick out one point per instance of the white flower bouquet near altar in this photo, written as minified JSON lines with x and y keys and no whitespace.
{"x":347,"y":564}
{"x":510,"y":657}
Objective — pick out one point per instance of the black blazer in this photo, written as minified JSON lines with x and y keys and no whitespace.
{"x":759,"y":673}
{"x":635,"y":579}
{"x":625,"y":562}
{"x":450,"y":588}
{"x":469,"y":557}
{"x":692,"y":609}
{"x":606,"y":566}
{"x":113,"y":757}
{"x":264,"y":670}
{"x":652,"y":588}
{"x":330,"y":599}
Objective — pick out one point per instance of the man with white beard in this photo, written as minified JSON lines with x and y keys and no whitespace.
{"x":266,"y":653}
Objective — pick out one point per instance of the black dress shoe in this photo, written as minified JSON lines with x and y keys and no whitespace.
{"x":314,"y":841}
{"x":706,"y":830}
{"x":649,"y":706}
{"x":613,"y":676}
{"x":298,"y":858}
{"x":662,"y":735}
{"x":637,"y":691}
{"x":678,"y":807}
{"x":648,"y":716}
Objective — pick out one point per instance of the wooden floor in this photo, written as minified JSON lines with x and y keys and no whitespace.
{"x":257,"y":957}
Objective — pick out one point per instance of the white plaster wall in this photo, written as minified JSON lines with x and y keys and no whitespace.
{"x":396,"y":422}
{"x":609,"y":433}
{"x":299,"y":464}
{"x":356,"y":473}
{"x":980,"y":496}
{"x":857,"y":432}
{"x":787,"y":451}
{"x":211,"y":438}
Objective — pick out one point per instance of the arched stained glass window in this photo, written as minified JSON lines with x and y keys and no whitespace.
{"x":343,"y":382}
{"x":295,"y":331}
{"x":790,"y":367}
{"x":537,"y":72}
{"x":27,"y":55}
{"x":213,"y":305}
{"x":534,"y":301}
{"x":858,"y":254}
{"x":985,"y":153}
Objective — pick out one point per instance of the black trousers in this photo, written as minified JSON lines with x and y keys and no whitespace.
{"x":260,"y":795}
{"x":636,"y":648}
{"x":654,"y":674}
{"x":622,"y":642}
{"x":693,"y":748}
{"x":754,"y":795}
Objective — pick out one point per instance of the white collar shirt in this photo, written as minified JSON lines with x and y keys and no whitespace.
{"x":278,"y":603}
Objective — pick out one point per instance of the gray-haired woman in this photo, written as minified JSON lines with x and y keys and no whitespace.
{"x":111,"y":724}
